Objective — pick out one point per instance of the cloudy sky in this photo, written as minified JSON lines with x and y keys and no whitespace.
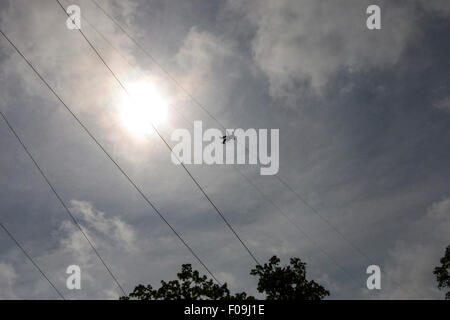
{"x":364,"y":119}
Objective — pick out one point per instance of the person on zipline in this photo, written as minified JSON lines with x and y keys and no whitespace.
{"x":228,"y":137}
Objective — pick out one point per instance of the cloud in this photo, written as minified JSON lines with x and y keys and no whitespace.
{"x":309,"y":41}
{"x":369,"y":179}
{"x":8,"y":278}
{"x":443,"y":104}
{"x":201,"y":51}
{"x":440,"y":7}
{"x":111,"y":229}
{"x":106,"y":233}
{"x":411,"y":262}
{"x":207,"y":65}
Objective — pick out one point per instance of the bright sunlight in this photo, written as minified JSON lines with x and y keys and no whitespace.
{"x":146,"y":106}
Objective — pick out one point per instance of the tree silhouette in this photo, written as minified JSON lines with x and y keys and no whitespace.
{"x":278,"y":283}
{"x":190,"y":286}
{"x":442,"y":273}
{"x":287,"y":283}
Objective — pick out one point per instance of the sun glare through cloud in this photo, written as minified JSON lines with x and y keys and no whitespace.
{"x":243,"y":151}
{"x":143,"y":107}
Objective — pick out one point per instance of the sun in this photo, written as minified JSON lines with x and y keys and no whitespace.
{"x":143,"y":107}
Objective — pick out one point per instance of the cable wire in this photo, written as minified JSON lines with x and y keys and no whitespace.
{"x":62,"y":202}
{"x":31,"y":259}
{"x":181,"y":87}
{"x":264,"y":196}
{"x":146,"y":199}
{"x":168,"y":74}
{"x":168,"y":146}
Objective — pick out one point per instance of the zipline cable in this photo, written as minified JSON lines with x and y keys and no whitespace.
{"x":110,"y":157}
{"x":181,"y":87}
{"x":252,"y":255}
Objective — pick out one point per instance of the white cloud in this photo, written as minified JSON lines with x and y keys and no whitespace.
{"x":106,"y":233}
{"x":294,"y":41}
{"x":207,"y":64}
{"x":201,"y":51}
{"x":308,"y":41}
{"x":112,"y":229}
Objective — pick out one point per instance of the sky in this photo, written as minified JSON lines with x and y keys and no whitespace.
{"x":363,"y":116}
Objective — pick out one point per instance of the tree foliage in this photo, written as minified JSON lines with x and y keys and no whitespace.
{"x":287,"y":283}
{"x":442,"y":273}
{"x":190,"y":285}
{"x":274,"y":281}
